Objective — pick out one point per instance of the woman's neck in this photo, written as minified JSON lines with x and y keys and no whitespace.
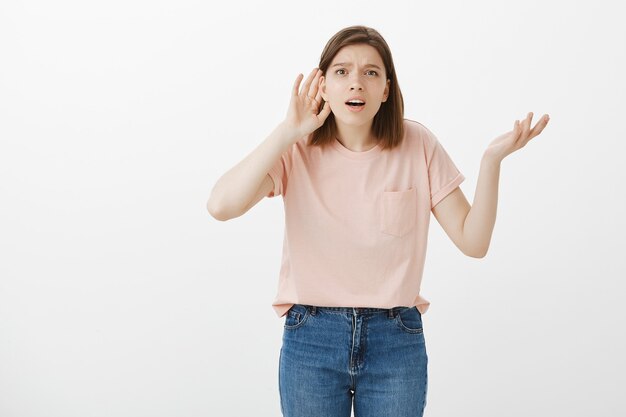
{"x":357,"y":138}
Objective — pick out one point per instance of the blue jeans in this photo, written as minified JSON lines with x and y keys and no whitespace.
{"x":332,"y":357}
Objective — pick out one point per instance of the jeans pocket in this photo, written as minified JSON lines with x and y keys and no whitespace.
{"x":296,"y":317}
{"x":410,"y":320}
{"x":398,"y":212}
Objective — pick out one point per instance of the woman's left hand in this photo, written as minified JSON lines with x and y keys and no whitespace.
{"x":515,"y":139}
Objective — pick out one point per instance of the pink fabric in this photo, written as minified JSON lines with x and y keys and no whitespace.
{"x":356,"y":223}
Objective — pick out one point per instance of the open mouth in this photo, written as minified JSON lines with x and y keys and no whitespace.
{"x":355,"y":106}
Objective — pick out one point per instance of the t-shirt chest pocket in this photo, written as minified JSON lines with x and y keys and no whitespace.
{"x":398,"y":211}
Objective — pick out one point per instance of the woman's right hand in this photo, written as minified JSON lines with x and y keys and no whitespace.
{"x":302,"y":116}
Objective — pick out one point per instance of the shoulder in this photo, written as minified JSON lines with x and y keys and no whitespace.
{"x":421,"y":135}
{"x":418,"y":130}
{"x":418,"y":137}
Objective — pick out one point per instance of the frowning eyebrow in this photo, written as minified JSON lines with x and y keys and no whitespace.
{"x":348,"y":64}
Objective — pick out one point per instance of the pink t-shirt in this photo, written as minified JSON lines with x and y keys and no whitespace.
{"x":356,"y":223}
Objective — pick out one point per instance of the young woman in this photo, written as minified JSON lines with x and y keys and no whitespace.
{"x":359,"y":182}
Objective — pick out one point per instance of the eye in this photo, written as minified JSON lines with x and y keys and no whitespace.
{"x":367,"y":71}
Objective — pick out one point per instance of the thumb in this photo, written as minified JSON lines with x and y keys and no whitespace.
{"x":325,"y":111}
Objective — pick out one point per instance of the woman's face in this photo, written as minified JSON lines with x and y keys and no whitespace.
{"x":356,"y":70}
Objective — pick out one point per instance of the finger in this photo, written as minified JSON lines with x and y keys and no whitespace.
{"x":296,"y":83}
{"x":325,"y":110}
{"x":538,"y":128}
{"x":516,"y":129}
{"x":307,"y":83}
{"x":315,"y":84}
{"x":526,"y":123}
{"x":523,"y":130}
{"x":318,"y":96}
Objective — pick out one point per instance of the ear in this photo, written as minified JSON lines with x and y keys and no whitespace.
{"x":322,"y":87}
{"x":386,"y":93}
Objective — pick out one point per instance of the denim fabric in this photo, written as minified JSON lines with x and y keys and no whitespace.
{"x":334,"y":358}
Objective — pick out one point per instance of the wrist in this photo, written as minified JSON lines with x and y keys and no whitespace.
{"x":287,"y":133}
{"x":491,"y":160}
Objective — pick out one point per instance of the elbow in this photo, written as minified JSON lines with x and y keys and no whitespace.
{"x":221,"y":212}
{"x":473,"y":249}
{"x":215,"y":211}
{"x":478,"y":254}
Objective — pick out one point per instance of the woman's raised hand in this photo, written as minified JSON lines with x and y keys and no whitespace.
{"x":302,"y":115}
{"x":515,"y":139}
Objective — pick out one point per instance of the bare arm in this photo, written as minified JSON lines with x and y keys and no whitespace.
{"x":471,"y":227}
{"x":234,"y":190}
{"x":239,"y":189}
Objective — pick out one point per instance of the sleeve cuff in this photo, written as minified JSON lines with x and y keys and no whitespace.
{"x":446,"y":189}
{"x":276,"y":178}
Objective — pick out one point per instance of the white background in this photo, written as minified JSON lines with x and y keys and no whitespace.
{"x":121,"y":296}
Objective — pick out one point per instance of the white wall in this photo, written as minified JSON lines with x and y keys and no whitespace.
{"x":121,"y":296}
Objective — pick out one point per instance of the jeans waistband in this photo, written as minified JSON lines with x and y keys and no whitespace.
{"x":391,"y":312}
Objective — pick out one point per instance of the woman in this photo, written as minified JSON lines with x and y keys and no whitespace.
{"x":358,"y":182}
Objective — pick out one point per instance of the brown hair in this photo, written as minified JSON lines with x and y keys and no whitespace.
{"x":388,"y":126}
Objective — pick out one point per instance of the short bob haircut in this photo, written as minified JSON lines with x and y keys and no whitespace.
{"x":388,"y":126}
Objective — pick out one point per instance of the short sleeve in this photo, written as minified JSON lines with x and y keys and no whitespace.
{"x":443,"y":175}
{"x":280,"y":172}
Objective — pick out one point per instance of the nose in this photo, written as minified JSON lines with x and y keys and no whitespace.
{"x":356,"y":83}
